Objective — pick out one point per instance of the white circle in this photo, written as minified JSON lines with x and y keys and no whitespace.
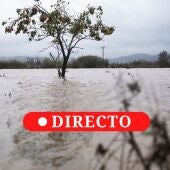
{"x":42,"y":121}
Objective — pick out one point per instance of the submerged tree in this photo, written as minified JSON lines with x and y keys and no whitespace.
{"x":59,"y":23}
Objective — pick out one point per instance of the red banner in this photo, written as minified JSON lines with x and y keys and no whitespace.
{"x":86,"y":121}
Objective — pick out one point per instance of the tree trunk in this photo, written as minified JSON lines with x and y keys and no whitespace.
{"x":64,"y":66}
{"x":63,"y":71}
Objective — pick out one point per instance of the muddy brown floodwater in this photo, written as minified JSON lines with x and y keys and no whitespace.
{"x":22,"y":91}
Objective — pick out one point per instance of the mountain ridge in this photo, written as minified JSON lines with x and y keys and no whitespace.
{"x":134,"y":57}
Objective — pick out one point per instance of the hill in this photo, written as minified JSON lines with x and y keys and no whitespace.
{"x":134,"y":57}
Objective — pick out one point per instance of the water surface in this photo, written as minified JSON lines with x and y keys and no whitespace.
{"x":22,"y":91}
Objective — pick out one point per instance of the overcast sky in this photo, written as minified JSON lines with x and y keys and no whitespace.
{"x":142,"y":26}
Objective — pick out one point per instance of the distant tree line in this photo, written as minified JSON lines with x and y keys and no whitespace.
{"x":164,"y":59}
{"x":12,"y":64}
{"x":89,"y":62}
{"x":135,"y":64}
{"x":86,"y":62}
{"x":81,"y":62}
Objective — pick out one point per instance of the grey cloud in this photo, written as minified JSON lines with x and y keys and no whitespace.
{"x":141,"y":26}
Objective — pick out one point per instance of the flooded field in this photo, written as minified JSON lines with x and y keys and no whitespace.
{"x":22,"y":91}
